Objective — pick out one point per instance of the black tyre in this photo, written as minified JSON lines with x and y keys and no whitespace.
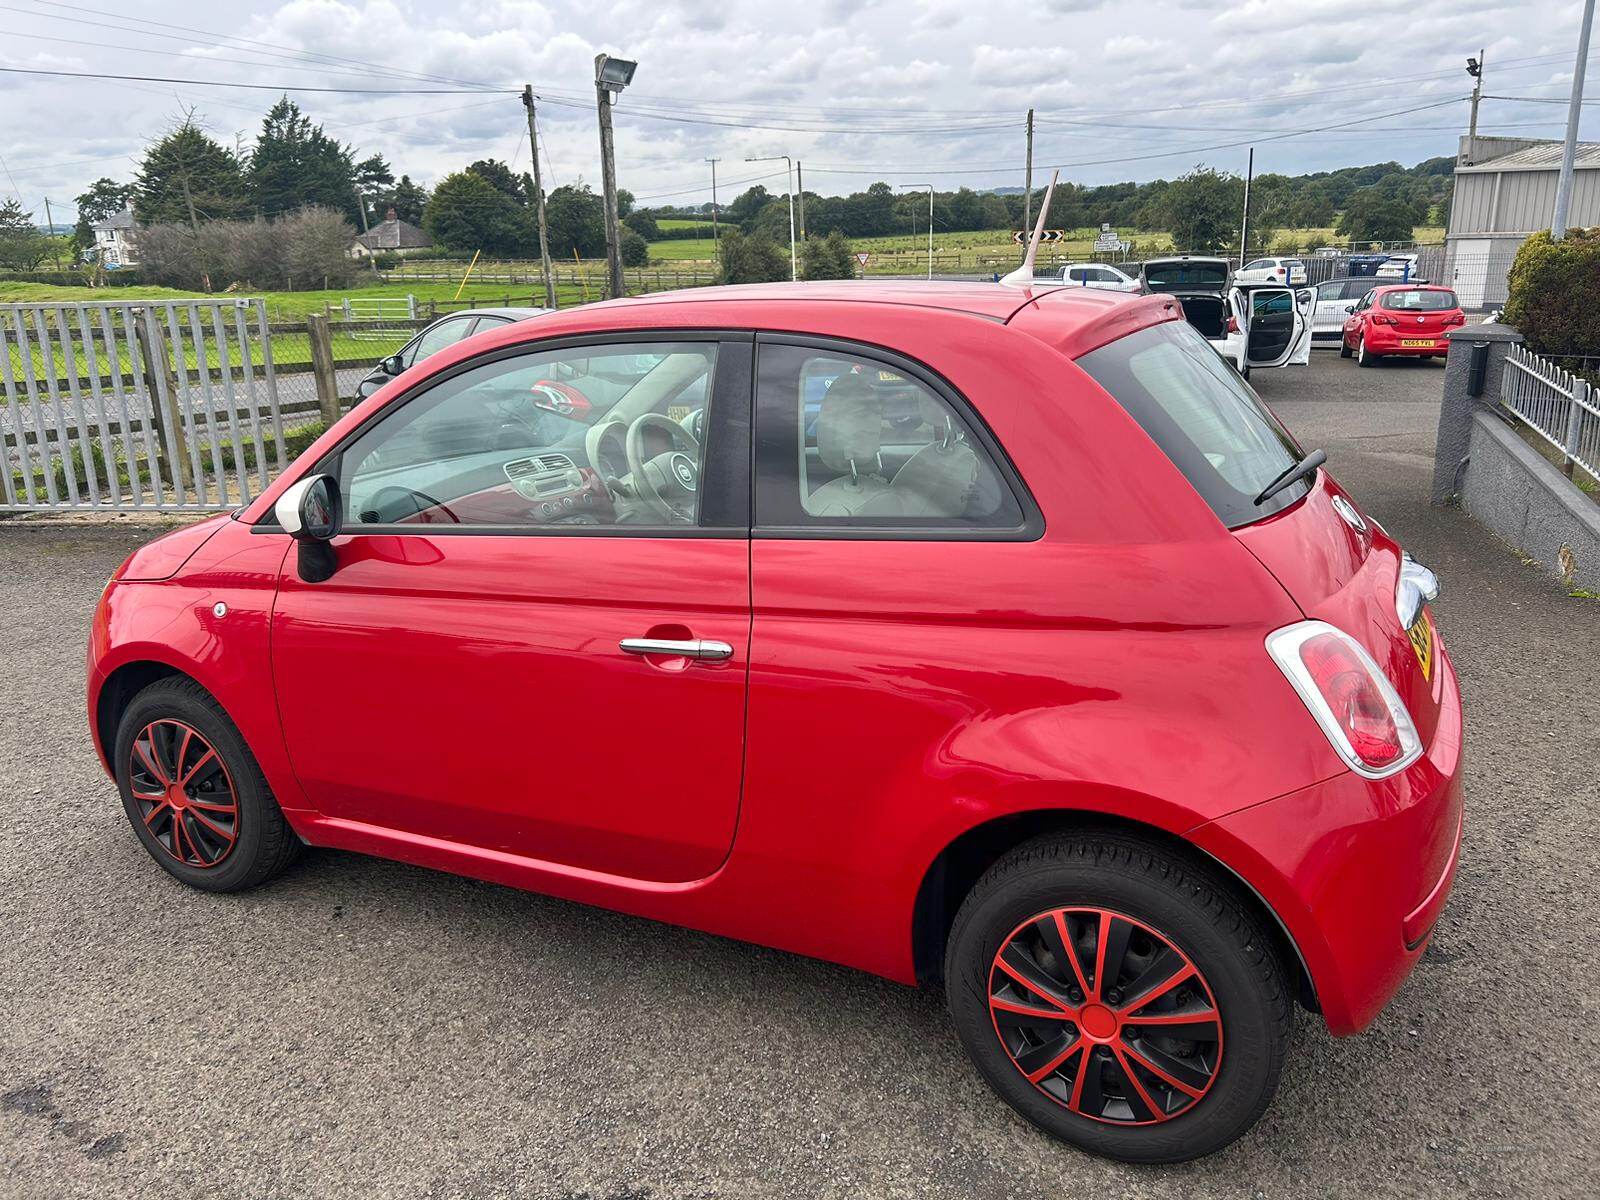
{"x":1174,"y":1053}
{"x":1363,"y":357}
{"x":1344,"y":348}
{"x":194,"y":794}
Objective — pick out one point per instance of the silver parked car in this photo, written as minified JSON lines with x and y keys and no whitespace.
{"x":446,"y":331}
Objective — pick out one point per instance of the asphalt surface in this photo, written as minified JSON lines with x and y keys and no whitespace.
{"x":361,"y":1028}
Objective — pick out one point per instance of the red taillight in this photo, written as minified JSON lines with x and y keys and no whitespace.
{"x":1358,"y":709}
{"x":1353,"y":698}
{"x":1455,"y":319}
{"x":1233,"y":324}
{"x":1380,"y":319}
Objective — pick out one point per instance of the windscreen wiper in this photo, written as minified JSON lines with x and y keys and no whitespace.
{"x":1300,"y":470}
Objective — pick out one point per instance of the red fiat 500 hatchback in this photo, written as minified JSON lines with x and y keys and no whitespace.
{"x":953,"y":632}
{"x":1405,"y":320}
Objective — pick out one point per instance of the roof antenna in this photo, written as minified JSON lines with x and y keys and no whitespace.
{"x":1024,"y":273}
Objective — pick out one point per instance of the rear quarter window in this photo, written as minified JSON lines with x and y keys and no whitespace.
{"x":1204,"y":417}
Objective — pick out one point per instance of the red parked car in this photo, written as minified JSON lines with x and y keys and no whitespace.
{"x":1406,"y":319}
{"x":953,"y":632}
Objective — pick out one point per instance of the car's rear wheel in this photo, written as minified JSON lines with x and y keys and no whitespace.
{"x":1119,"y":997}
{"x":193,"y":792}
{"x":1364,"y":357}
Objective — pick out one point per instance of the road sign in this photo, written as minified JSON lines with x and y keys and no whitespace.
{"x":1020,"y":237}
{"x":1108,"y":239}
{"x":862,"y":256}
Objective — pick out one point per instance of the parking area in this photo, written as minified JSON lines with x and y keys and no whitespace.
{"x":362,"y":1027}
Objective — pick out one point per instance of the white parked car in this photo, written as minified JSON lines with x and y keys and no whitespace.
{"x":1253,"y":324}
{"x":1098,"y":275}
{"x":1399,"y":266}
{"x":1272,"y":270}
{"x":1334,"y":299}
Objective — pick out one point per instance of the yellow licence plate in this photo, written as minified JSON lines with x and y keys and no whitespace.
{"x":1421,"y":635}
{"x":1428,"y":342}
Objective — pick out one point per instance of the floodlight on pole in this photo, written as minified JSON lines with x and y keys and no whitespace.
{"x":611,"y":75}
{"x":929,"y":186}
{"x":788,"y":165}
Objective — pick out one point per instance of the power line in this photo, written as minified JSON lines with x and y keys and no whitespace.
{"x":260,"y":87}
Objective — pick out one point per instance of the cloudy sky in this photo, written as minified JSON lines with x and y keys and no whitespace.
{"x":910,"y":91}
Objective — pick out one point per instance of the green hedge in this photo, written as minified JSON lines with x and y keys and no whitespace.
{"x":1554,"y":297}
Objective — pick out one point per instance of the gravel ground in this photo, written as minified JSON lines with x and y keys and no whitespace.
{"x":369,"y":1029}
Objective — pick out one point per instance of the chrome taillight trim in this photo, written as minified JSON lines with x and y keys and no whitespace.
{"x":1416,"y":586}
{"x":1283,"y":645}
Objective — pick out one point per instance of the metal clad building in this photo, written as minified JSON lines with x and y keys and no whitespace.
{"x":1505,"y":189}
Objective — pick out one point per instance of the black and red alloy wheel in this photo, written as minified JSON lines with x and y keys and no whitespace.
{"x":184,"y":793}
{"x":1105,"y":1016}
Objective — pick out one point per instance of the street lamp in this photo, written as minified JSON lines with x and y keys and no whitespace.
{"x":611,"y":75}
{"x":912,"y":187}
{"x":788,"y":166}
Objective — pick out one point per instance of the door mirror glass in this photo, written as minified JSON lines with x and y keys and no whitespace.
{"x":310,"y":509}
{"x":1349,"y":308}
{"x":393,"y":365}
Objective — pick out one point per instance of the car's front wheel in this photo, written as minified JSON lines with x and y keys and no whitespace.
{"x":193,"y":792}
{"x":1119,"y":997}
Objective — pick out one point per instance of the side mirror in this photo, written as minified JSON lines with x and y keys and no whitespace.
{"x":393,"y":365}
{"x":1349,"y":308}
{"x":311,"y":511}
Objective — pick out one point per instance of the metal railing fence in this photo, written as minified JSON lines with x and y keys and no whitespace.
{"x":1557,"y":405}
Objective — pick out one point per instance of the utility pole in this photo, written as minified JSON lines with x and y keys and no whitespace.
{"x":800,"y":187}
{"x":538,"y":192}
{"x":611,"y":75}
{"x":50,"y":224}
{"x":1027,"y":181}
{"x":716,"y":237}
{"x":1475,"y":69}
{"x":929,"y":186}
{"x":1558,"y":226}
{"x":1244,"y":221}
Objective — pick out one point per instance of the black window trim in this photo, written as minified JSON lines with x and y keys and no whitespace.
{"x":1033,"y":525}
{"x":728,"y":436}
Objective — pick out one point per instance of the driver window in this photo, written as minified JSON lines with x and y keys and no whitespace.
{"x":609,"y":435}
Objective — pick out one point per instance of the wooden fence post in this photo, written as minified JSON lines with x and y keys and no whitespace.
{"x":172,"y":440}
{"x":322,"y":369}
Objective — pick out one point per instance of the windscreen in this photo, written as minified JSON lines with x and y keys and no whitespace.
{"x":1431,"y":300}
{"x":1202,"y":415}
{"x":1167,"y":275}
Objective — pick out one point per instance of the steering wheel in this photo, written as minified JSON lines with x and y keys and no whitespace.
{"x":414,"y":501}
{"x":668,"y":482}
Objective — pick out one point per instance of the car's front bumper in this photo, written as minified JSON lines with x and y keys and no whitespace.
{"x":1358,"y":871}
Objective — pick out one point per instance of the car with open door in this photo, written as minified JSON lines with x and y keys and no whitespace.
{"x":1401,"y":321}
{"x":1199,"y":283}
{"x":990,"y":637}
{"x":446,"y":331}
{"x":1269,"y":326}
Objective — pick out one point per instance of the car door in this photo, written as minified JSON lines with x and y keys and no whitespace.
{"x":520,"y":650}
{"x":1273,"y":321}
{"x":1330,"y":305}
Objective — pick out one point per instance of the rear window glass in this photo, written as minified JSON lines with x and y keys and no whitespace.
{"x":1182,"y":274}
{"x":1433,"y":300}
{"x":1202,"y":415}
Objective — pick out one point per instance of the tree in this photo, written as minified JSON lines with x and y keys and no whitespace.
{"x":752,"y":259}
{"x":1202,"y":209}
{"x":105,"y":198}
{"x":495,"y":172}
{"x":466,"y":212}
{"x":372,"y":175}
{"x":827,"y":258}
{"x":644,"y":225}
{"x":186,"y":176}
{"x":577,"y":222}
{"x":1371,"y":216}
{"x":23,"y":245}
{"x":624,"y":202}
{"x":407,"y":199}
{"x":296,"y":164}
{"x":633,"y":249}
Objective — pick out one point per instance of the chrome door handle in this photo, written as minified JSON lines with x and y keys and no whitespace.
{"x":697,"y":648}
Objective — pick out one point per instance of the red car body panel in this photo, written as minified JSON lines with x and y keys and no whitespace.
{"x":1387,"y":331}
{"x":457,"y":702}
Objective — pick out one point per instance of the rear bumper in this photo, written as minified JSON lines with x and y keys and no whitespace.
{"x":1357,"y":870}
{"x":1391,"y":344}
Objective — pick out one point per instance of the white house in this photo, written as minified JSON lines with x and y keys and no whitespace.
{"x":391,"y":235}
{"x":113,"y":240}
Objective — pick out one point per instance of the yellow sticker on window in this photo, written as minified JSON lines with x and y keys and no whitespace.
{"x":677,"y":412}
{"x":890,"y":377}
